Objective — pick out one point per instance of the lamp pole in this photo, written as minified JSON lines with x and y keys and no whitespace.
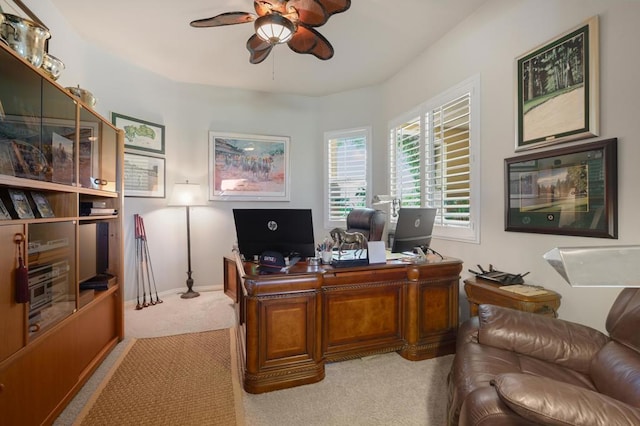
{"x":189,"y":293}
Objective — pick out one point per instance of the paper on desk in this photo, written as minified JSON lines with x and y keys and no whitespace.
{"x":525,"y":290}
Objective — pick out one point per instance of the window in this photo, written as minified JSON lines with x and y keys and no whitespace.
{"x":346,"y":173}
{"x":433,"y":153}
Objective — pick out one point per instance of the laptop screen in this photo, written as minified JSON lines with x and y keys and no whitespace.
{"x":414,"y":229}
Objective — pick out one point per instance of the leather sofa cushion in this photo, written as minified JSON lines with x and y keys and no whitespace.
{"x":561,"y":342}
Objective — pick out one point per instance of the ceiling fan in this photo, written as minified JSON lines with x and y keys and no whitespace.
{"x":283,"y":21}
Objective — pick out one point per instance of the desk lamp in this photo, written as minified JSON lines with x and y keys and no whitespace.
{"x":604,"y":266}
{"x":387,"y":199}
{"x":187,"y":194}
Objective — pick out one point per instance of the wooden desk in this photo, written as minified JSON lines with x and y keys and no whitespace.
{"x":291,"y":324}
{"x":483,"y":291}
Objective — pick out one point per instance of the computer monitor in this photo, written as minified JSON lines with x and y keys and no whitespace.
{"x":413,"y":229}
{"x":288,"y":231}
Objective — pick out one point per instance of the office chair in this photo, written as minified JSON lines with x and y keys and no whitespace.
{"x":369,"y":222}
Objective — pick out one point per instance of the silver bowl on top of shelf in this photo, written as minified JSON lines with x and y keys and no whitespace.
{"x":52,"y":66}
{"x":25,"y":37}
{"x":83,"y":94}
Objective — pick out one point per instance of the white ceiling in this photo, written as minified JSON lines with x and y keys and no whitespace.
{"x":372,"y":40}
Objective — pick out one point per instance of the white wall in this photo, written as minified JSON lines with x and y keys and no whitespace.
{"x":486,"y":43}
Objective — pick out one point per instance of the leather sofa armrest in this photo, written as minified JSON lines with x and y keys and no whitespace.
{"x":550,"y":339}
{"x":549,"y":402}
{"x":468,"y":331}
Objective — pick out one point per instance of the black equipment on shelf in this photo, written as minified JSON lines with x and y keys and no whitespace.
{"x":504,"y":278}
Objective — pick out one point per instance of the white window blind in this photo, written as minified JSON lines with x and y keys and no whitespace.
{"x":347,"y":173}
{"x":432,"y":163}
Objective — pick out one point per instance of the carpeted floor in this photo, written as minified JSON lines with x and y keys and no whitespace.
{"x":184,"y":379}
{"x":379,"y":390}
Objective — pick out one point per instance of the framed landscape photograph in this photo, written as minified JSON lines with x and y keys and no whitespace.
{"x":144,"y":176}
{"x":139,"y":134}
{"x":557,"y":89}
{"x":567,"y":191}
{"x":248,"y":167}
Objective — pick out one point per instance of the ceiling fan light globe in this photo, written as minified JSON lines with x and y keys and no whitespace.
{"x":274,"y":28}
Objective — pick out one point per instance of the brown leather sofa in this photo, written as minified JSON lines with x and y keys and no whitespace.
{"x":519,"y":368}
{"x":369,"y":222}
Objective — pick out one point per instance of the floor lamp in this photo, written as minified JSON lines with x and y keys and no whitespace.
{"x":187,"y":195}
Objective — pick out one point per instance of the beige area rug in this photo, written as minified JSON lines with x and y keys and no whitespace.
{"x":185,"y":379}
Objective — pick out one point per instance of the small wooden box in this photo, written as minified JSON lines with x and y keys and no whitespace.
{"x":479,"y":291}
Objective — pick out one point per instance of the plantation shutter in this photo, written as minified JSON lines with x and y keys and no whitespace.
{"x":346,"y":174}
{"x":434,"y":152}
{"x":405,"y":170}
{"x":447,"y":159}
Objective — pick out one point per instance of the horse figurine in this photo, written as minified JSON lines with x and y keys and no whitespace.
{"x":355,"y":240}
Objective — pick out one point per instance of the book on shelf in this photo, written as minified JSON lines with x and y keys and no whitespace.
{"x":96,"y":208}
{"x":99,"y":211}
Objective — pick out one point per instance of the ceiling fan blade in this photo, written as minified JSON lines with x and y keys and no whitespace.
{"x":311,"y":12}
{"x":258,"y":49}
{"x":308,"y":40}
{"x":335,"y":6}
{"x":264,"y":7}
{"x":229,"y":18}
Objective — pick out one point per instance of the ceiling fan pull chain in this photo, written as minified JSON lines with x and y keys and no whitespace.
{"x":273,"y":66}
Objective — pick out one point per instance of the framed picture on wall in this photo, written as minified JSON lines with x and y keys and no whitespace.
{"x":245,"y":167}
{"x":567,"y":191}
{"x":557,"y":89}
{"x":144,"y":176}
{"x":140,"y":134}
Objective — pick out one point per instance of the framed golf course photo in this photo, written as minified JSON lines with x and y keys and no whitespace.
{"x":557,"y":89}
{"x":566,"y":191}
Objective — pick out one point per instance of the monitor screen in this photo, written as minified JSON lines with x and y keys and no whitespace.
{"x":413,"y":229}
{"x":288,"y":231}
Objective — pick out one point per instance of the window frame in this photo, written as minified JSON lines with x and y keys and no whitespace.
{"x":423,"y":111}
{"x":364,"y":131}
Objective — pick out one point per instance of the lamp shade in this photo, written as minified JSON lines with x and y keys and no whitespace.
{"x":606,"y":266}
{"x":274,"y":28}
{"x":186,"y":194}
